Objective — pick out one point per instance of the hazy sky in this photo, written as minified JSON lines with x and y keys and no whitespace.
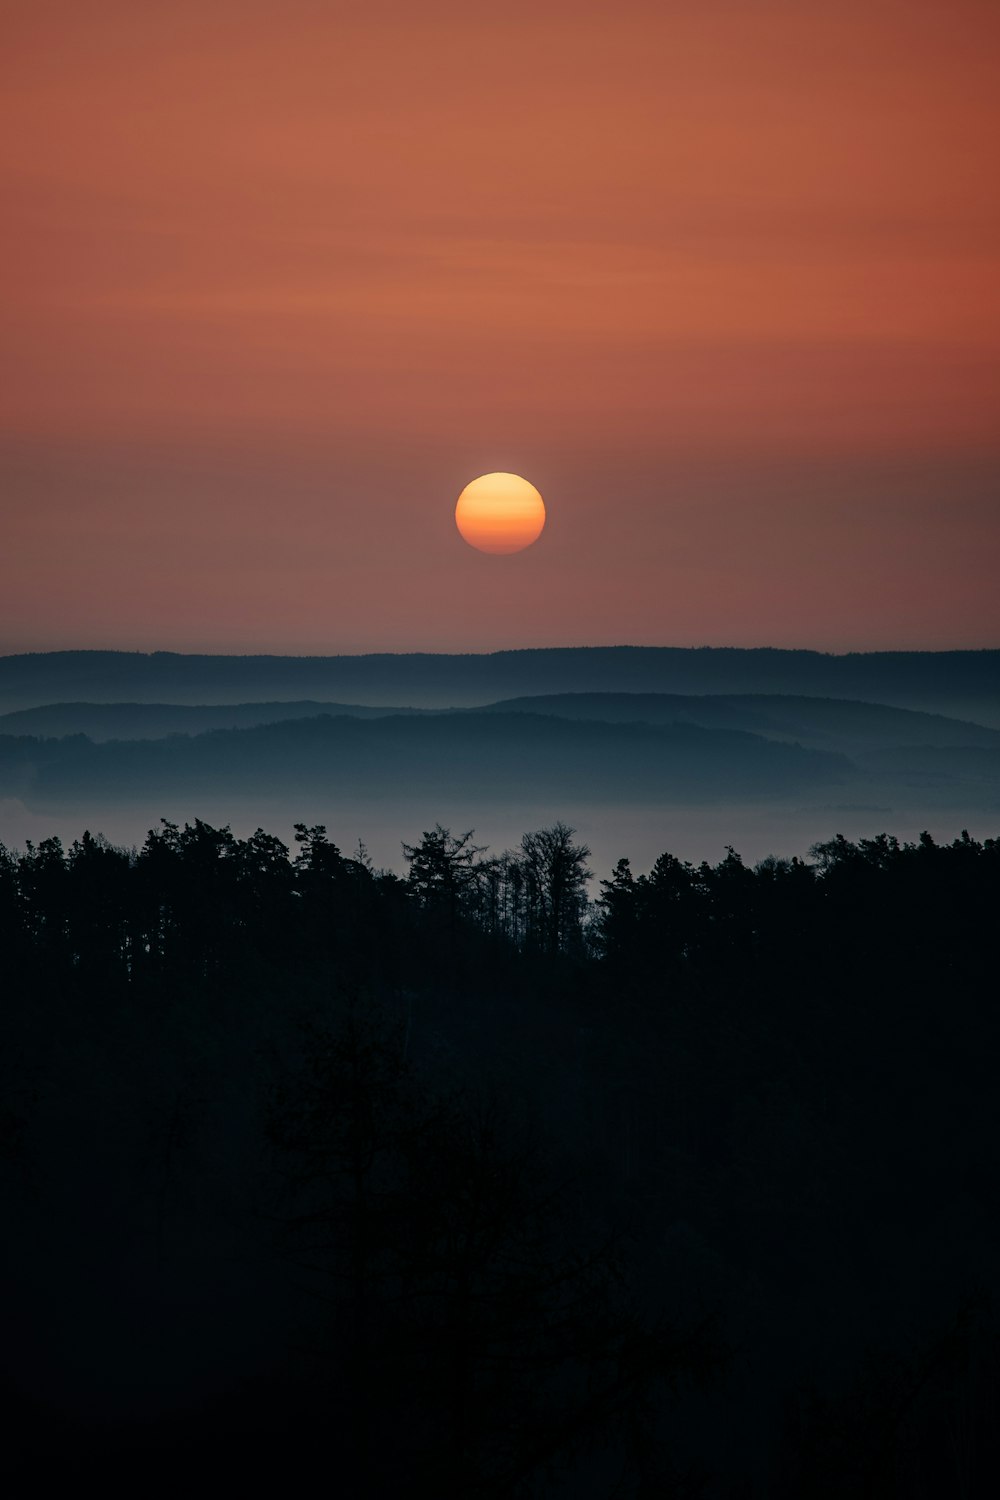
{"x":719,"y":276}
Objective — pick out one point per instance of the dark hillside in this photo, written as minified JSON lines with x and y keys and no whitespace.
{"x":840,"y":725}
{"x":965,"y":683}
{"x":484,"y":754}
{"x":837,"y":724}
{"x":150,"y":721}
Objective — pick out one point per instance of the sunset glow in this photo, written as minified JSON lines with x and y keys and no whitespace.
{"x":279,"y":277}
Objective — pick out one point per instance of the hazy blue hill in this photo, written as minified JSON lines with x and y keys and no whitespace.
{"x":499,"y":756}
{"x":839,"y":724}
{"x":962,"y":683}
{"x":149,"y":721}
{"x":975,"y":768}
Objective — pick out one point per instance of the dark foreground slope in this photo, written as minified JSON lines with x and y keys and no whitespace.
{"x":964,"y":683}
{"x":450,"y":1186}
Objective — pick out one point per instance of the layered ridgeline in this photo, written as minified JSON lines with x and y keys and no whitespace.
{"x":501,"y":756}
{"x":843,"y":726}
{"x":964,"y":684}
{"x":152,"y":721}
{"x":569,"y":748}
{"x":589,"y":747}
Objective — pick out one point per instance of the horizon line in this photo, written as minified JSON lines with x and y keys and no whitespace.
{"x":499,"y":651}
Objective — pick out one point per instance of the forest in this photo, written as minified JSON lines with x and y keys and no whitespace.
{"x":479,"y":1181}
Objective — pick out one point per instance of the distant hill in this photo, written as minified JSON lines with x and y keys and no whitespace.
{"x":511,"y":757}
{"x":965,"y":684}
{"x":844,"y":726}
{"x":972,"y":769}
{"x":151,"y":721}
{"x":838,"y":724}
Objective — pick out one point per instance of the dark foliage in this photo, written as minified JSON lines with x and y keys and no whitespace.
{"x":461,"y":1182}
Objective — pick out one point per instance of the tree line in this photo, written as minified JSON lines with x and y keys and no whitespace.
{"x":198,"y":889}
{"x":679,"y":1185}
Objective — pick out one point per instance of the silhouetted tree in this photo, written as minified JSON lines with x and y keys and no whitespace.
{"x":443,"y":870}
{"x":555,"y":877}
{"x":472,"y":1337}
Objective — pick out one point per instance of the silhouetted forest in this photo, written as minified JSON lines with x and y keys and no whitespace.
{"x":473,"y":1182}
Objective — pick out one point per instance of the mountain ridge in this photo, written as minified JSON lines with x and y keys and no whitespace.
{"x":839,"y":724}
{"x":483,"y":753}
{"x":962,"y":682}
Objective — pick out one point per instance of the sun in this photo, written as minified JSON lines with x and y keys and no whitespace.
{"x":500,"y":513}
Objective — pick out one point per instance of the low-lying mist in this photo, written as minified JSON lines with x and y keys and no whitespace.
{"x":694,"y":832}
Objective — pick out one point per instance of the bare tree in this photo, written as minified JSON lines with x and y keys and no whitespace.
{"x":555,"y":877}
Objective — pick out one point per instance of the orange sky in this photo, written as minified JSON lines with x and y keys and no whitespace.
{"x":280,"y":278}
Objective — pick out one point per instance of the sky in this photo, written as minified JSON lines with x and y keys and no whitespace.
{"x":279,"y":277}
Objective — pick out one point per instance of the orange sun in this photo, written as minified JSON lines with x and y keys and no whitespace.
{"x":500,"y":513}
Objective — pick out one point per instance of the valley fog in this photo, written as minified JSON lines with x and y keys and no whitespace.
{"x":640,"y":832}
